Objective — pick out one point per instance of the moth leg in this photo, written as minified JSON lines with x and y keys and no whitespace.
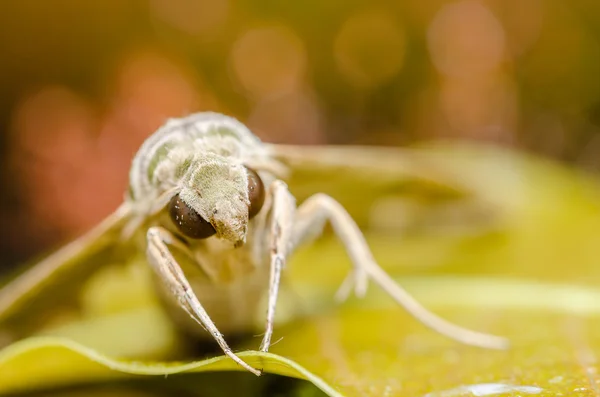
{"x":282,"y":207}
{"x":309,"y":221}
{"x":170,"y":273}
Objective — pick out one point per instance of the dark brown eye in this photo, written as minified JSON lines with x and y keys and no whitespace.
{"x":188,"y":221}
{"x":256,"y":193}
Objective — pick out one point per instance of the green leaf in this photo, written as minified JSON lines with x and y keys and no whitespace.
{"x":550,"y":326}
{"x":534,"y":245}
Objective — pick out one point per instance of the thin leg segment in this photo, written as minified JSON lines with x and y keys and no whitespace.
{"x":309,"y":221}
{"x":170,"y":273}
{"x":281,"y":218}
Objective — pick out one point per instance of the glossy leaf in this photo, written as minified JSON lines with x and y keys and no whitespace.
{"x":536,"y":258}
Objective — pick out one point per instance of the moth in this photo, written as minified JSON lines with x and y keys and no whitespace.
{"x":209,"y":205}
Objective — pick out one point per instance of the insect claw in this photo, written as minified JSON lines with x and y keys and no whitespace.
{"x":344,"y":290}
{"x":357,"y":280}
{"x":243,"y":364}
{"x":361,"y":283}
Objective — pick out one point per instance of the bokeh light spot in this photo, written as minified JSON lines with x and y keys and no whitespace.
{"x":268,"y":61}
{"x":151,"y":87}
{"x":369,"y":49}
{"x":290,"y":118}
{"x":485,"y":109}
{"x":465,"y":38}
{"x":195,"y":17}
{"x":53,"y":131}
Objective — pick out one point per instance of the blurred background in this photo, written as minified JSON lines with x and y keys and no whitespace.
{"x":84,"y":82}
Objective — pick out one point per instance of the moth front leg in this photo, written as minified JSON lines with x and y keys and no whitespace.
{"x":309,"y":221}
{"x":170,"y":273}
{"x":281,"y":206}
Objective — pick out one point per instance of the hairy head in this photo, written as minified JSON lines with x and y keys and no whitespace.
{"x":217,"y":196}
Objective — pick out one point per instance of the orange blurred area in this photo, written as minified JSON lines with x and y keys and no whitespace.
{"x":85,"y":82}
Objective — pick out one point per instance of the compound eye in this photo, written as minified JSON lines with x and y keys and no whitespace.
{"x":256,"y":193}
{"x":188,"y":221}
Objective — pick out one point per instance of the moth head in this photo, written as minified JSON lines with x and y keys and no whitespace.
{"x":218,"y":200}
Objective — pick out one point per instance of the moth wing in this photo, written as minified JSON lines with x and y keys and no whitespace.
{"x":58,"y":274}
{"x":360,"y":176}
{"x":363,"y":160}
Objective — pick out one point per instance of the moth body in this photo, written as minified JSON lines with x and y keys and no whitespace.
{"x":204,"y":160}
